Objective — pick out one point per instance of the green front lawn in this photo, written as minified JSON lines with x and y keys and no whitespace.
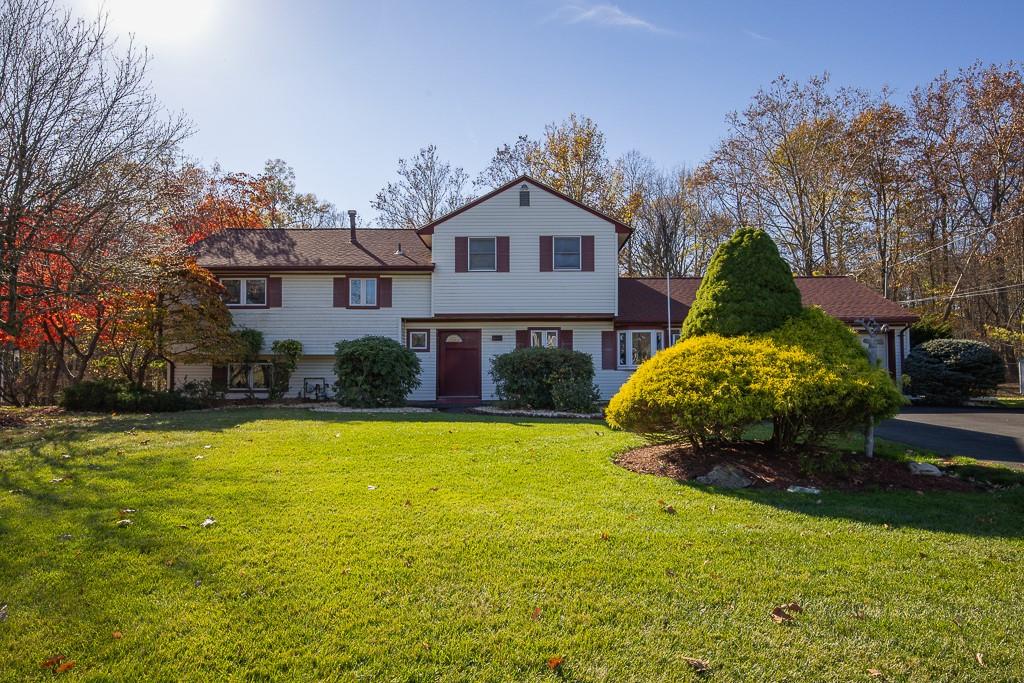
{"x":426,"y":547}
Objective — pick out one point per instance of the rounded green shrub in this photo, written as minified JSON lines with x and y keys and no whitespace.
{"x":374,"y":372}
{"x":108,"y":396}
{"x":950,"y":371}
{"x":711,"y":388}
{"x":844,"y":396}
{"x":747,"y":289}
{"x":545,"y":379}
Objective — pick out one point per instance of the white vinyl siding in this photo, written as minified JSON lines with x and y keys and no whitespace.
{"x":524,"y":289}
{"x":308,"y":313}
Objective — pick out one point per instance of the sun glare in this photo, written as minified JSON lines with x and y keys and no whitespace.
{"x":159,"y":22}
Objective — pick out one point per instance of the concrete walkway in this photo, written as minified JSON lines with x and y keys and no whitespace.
{"x":990,"y":434}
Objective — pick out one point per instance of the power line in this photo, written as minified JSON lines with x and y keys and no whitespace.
{"x":963,"y":295}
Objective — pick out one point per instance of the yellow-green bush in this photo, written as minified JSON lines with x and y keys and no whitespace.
{"x":845,"y":393}
{"x":810,"y":377}
{"x":711,"y":388}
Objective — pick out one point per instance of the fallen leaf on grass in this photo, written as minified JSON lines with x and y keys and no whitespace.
{"x":535,"y":615}
{"x":56,"y":480}
{"x":128,"y":511}
{"x":781,"y":616}
{"x":117,"y":635}
{"x":977,"y":658}
{"x":665,"y":507}
{"x":371,"y":487}
{"x":199,"y":457}
{"x":793,"y":607}
{"x":124,"y":522}
{"x":207,"y":523}
{"x":52,"y":662}
{"x":207,"y":446}
{"x":699,"y":665}
{"x":875,"y":673}
{"x":605,"y":536}
{"x":66,"y":666}
{"x":3,"y":612}
{"x":555,"y":662}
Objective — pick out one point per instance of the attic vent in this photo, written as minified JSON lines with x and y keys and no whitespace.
{"x":524,"y":195}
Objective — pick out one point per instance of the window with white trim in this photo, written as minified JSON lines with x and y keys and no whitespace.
{"x":362,"y":291}
{"x":566,"y":253}
{"x":483,"y":253}
{"x":674,"y":337}
{"x":245,"y":291}
{"x":544,"y":338}
{"x":419,"y":340}
{"x":637,"y":346}
{"x":248,"y":376}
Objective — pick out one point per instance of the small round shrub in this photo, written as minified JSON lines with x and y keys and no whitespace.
{"x":374,"y":372}
{"x":747,"y":289}
{"x":950,"y":371}
{"x":545,"y":379}
{"x":711,"y":388}
{"x":843,"y":395}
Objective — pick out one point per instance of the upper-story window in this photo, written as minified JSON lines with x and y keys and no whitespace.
{"x":566,"y":253}
{"x":362,"y":291}
{"x":637,"y":346}
{"x":245,"y":291}
{"x":544,"y":338}
{"x":483,"y":253}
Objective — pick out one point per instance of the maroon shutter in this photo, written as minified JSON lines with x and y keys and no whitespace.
{"x":546,"y":251}
{"x":502,"y":249}
{"x":384,"y":292}
{"x":587,"y":253}
{"x":219,"y":377}
{"x":341,"y":292}
{"x":609,"y":340}
{"x":522,"y":339}
{"x":461,"y":254}
{"x":273,"y":292}
{"x":565,"y":339}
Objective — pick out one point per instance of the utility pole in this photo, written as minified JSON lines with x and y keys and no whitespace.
{"x":871,"y":326}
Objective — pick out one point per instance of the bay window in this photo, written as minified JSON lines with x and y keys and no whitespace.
{"x":637,"y":346}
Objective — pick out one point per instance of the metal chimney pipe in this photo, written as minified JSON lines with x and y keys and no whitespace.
{"x":352,"y":225}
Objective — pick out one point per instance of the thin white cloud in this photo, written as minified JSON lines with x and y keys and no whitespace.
{"x":604,"y":14}
{"x":760,"y":37}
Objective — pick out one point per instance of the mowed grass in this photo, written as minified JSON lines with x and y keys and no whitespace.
{"x":462,"y":548}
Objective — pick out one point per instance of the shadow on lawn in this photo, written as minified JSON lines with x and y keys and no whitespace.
{"x":983,"y":514}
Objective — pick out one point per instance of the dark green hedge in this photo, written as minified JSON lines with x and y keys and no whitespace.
{"x":545,"y":379}
{"x":950,"y":371}
{"x":110,"y":396}
{"x":374,"y":372}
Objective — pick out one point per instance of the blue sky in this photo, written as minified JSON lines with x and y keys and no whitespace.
{"x":341,"y":90}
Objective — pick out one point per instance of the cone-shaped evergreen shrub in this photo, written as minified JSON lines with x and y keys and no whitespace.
{"x":747,"y":289}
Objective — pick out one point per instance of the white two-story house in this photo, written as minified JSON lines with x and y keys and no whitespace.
{"x":521,"y":266}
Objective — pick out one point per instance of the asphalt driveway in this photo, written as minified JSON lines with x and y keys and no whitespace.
{"x":982,"y":433}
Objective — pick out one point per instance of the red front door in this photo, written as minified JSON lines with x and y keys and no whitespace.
{"x":458,"y":364}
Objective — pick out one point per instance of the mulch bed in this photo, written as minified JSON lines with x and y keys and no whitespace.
{"x":770,"y":470}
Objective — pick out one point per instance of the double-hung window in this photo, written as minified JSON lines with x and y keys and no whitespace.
{"x":637,"y":346}
{"x":566,"y":253}
{"x":245,"y":291}
{"x":249,"y":376}
{"x":362,"y":291}
{"x":483,"y":253}
{"x":544,"y":338}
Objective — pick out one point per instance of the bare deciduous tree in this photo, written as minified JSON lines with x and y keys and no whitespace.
{"x":427,"y":188}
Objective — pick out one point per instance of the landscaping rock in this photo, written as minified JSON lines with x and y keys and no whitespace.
{"x":925,"y":469}
{"x":804,"y":489}
{"x":726,"y":477}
